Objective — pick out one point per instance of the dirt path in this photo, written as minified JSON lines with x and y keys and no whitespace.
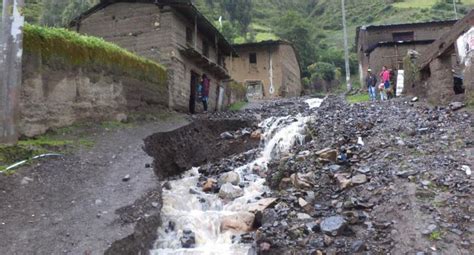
{"x":69,"y":206}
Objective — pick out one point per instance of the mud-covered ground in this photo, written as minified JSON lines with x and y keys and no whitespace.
{"x":371,"y":178}
{"x":79,"y":203}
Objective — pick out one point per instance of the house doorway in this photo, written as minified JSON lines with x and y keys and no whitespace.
{"x":254,"y":90}
{"x":193,"y":96}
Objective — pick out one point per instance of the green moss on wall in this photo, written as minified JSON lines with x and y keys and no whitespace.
{"x":58,"y":47}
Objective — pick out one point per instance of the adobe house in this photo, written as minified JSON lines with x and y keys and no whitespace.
{"x":173,"y":33}
{"x":379,"y":45}
{"x":436,"y":76}
{"x":268,"y":69}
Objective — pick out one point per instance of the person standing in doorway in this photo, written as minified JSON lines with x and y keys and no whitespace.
{"x":385,"y":76}
{"x":205,"y":91}
{"x":371,"y":82}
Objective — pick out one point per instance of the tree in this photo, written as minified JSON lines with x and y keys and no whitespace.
{"x":239,"y":11}
{"x":294,"y":28}
{"x":75,"y":8}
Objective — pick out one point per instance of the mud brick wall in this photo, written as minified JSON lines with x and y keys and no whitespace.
{"x":138,"y":27}
{"x":286,"y":71}
{"x":372,"y":36}
{"x":55,"y":96}
{"x":290,"y":75}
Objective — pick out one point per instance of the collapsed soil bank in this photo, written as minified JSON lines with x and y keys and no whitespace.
{"x":196,"y":144}
{"x":175,"y":152}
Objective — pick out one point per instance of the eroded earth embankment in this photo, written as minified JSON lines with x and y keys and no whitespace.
{"x":174,"y":152}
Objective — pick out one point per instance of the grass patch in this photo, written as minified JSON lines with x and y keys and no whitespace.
{"x":436,"y":235}
{"x":115,"y":125}
{"x":60,"y":47}
{"x":237,"y":106}
{"x":265,"y":37}
{"x":358,"y":98}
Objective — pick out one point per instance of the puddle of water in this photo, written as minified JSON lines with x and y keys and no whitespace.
{"x":202,"y":213}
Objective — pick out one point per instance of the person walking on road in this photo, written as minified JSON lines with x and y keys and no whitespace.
{"x":371,"y":82}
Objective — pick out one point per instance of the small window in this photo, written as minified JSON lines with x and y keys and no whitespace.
{"x":253,"y":58}
{"x":403,"y":36}
{"x":205,"y":48}
{"x":189,"y":35}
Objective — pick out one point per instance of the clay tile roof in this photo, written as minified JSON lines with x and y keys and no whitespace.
{"x":185,"y":7}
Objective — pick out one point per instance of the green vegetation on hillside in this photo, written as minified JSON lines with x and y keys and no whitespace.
{"x":57,"y":45}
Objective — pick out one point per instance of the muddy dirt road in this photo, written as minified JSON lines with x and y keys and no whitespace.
{"x":68,"y":205}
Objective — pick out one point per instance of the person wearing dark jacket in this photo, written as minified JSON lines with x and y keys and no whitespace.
{"x":371,"y":82}
{"x":205,"y":91}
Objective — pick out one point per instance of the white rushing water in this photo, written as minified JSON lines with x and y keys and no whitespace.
{"x":202,"y":213}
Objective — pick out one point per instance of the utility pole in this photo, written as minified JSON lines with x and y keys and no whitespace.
{"x":11,"y":49}
{"x":455,"y":9}
{"x":346,"y":47}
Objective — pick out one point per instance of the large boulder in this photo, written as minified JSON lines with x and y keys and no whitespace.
{"x":230,"y":192}
{"x":334,"y":225}
{"x":328,"y":154}
{"x":210,"y":185}
{"x":240,"y":222}
{"x":229,"y":177}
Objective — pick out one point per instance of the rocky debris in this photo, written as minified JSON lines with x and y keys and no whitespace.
{"x":261,"y":205}
{"x":334,"y":225}
{"x":26,"y":180}
{"x":402,"y":144}
{"x":188,"y":240}
{"x":342,"y":180}
{"x":126,"y":178}
{"x":358,"y":246}
{"x":430,"y":229}
{"x":227,"y":135}
{"x":240,"y":222}
{"x":467,"y":170}
{"x":210,"y":185}
{"x":256,"y":135}
{"x":229,"y":177}
{"x":456,"y":106}
{"x":230,"y":192}
{"x":167,"y":185}
{"x":359,"y":179}
{"x":301,"y":181}
{"x":328,"y":154}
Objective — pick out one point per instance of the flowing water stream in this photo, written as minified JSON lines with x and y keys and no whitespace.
{"x":202,"y":213}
